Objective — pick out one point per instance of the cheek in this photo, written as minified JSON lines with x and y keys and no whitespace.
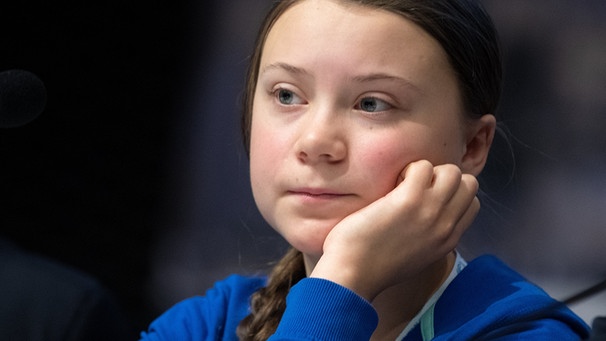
{"x":261,"y":151}
{"x":381,"y":163}
{"x":383,"y":160}
{"x":261,"y":172}
{"x":268,"y":147}
{"x":438,"y":146}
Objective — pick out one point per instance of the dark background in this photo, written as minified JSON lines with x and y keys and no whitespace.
{"x":84,"y":183}
{"x":135,"y":174}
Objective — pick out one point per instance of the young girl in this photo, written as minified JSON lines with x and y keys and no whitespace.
{"x":366,"y":124}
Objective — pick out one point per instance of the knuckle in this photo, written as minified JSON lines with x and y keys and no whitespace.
{"x":424,"y":166}
{"x":448,"y":173}
{"x":471,"y":182}
{"x":444,"y":232}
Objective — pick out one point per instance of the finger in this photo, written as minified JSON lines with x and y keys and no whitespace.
{"x":464,"y":192}
{"x":452,"y":236}
{"x":473,"y":187}
{"x":464,"y":205}
{"x":446,"y":182}
{"x":417,"y":175}
{"x":466,"y":220}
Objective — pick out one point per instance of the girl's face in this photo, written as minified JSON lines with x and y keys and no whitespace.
{"x":347,"y":96}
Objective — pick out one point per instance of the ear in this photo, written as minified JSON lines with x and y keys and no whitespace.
{"x":479,"y":138}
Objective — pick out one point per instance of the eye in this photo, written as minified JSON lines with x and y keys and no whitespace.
{"x":287,"y":97}
{"x":373,"y":104}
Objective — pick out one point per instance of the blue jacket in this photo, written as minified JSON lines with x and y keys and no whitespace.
{"x":487,"y":301}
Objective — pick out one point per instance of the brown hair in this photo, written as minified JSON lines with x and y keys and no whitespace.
{"x":267,"y":305}
{"x":467,"y":35}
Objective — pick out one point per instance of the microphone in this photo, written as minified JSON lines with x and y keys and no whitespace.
{"x":22,"y":98}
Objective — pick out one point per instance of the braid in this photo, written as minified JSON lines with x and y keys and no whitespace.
{"x":268,"y":303}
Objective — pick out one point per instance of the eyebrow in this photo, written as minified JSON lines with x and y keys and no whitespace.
{"x":358,"y":79}
{"x":286,"y":67}
{"x":383,"y":76}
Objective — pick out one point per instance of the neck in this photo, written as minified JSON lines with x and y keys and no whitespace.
{"x":398,"y":305}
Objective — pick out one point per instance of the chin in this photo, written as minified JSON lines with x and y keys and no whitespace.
{"x":310,"y":243}
{"x":306,"y":234}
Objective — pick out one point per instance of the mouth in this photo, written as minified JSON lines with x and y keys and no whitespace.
{"x":316,"y":193}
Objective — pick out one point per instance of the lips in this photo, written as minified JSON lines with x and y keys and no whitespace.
{"x":317,"y":193}
{"x":313,"y":191}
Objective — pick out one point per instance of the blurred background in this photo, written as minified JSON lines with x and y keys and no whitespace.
{"x":135,"y":172}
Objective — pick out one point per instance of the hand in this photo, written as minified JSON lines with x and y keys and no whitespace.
{"x":397,"y":236}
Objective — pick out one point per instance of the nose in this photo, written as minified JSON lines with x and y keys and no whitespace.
{"x":321,"y":139}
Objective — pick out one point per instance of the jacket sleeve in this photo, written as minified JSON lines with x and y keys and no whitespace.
{"x":318,"y":309}
{"x":183,"y":321}
{"x":213,"y":316}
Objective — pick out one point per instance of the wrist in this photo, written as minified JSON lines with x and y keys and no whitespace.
{"x":342,"y":273}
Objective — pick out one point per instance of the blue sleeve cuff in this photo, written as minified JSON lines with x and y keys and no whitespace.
{"x":318,"y":309}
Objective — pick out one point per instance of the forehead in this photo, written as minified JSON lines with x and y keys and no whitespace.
{"x":348,"y":37}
